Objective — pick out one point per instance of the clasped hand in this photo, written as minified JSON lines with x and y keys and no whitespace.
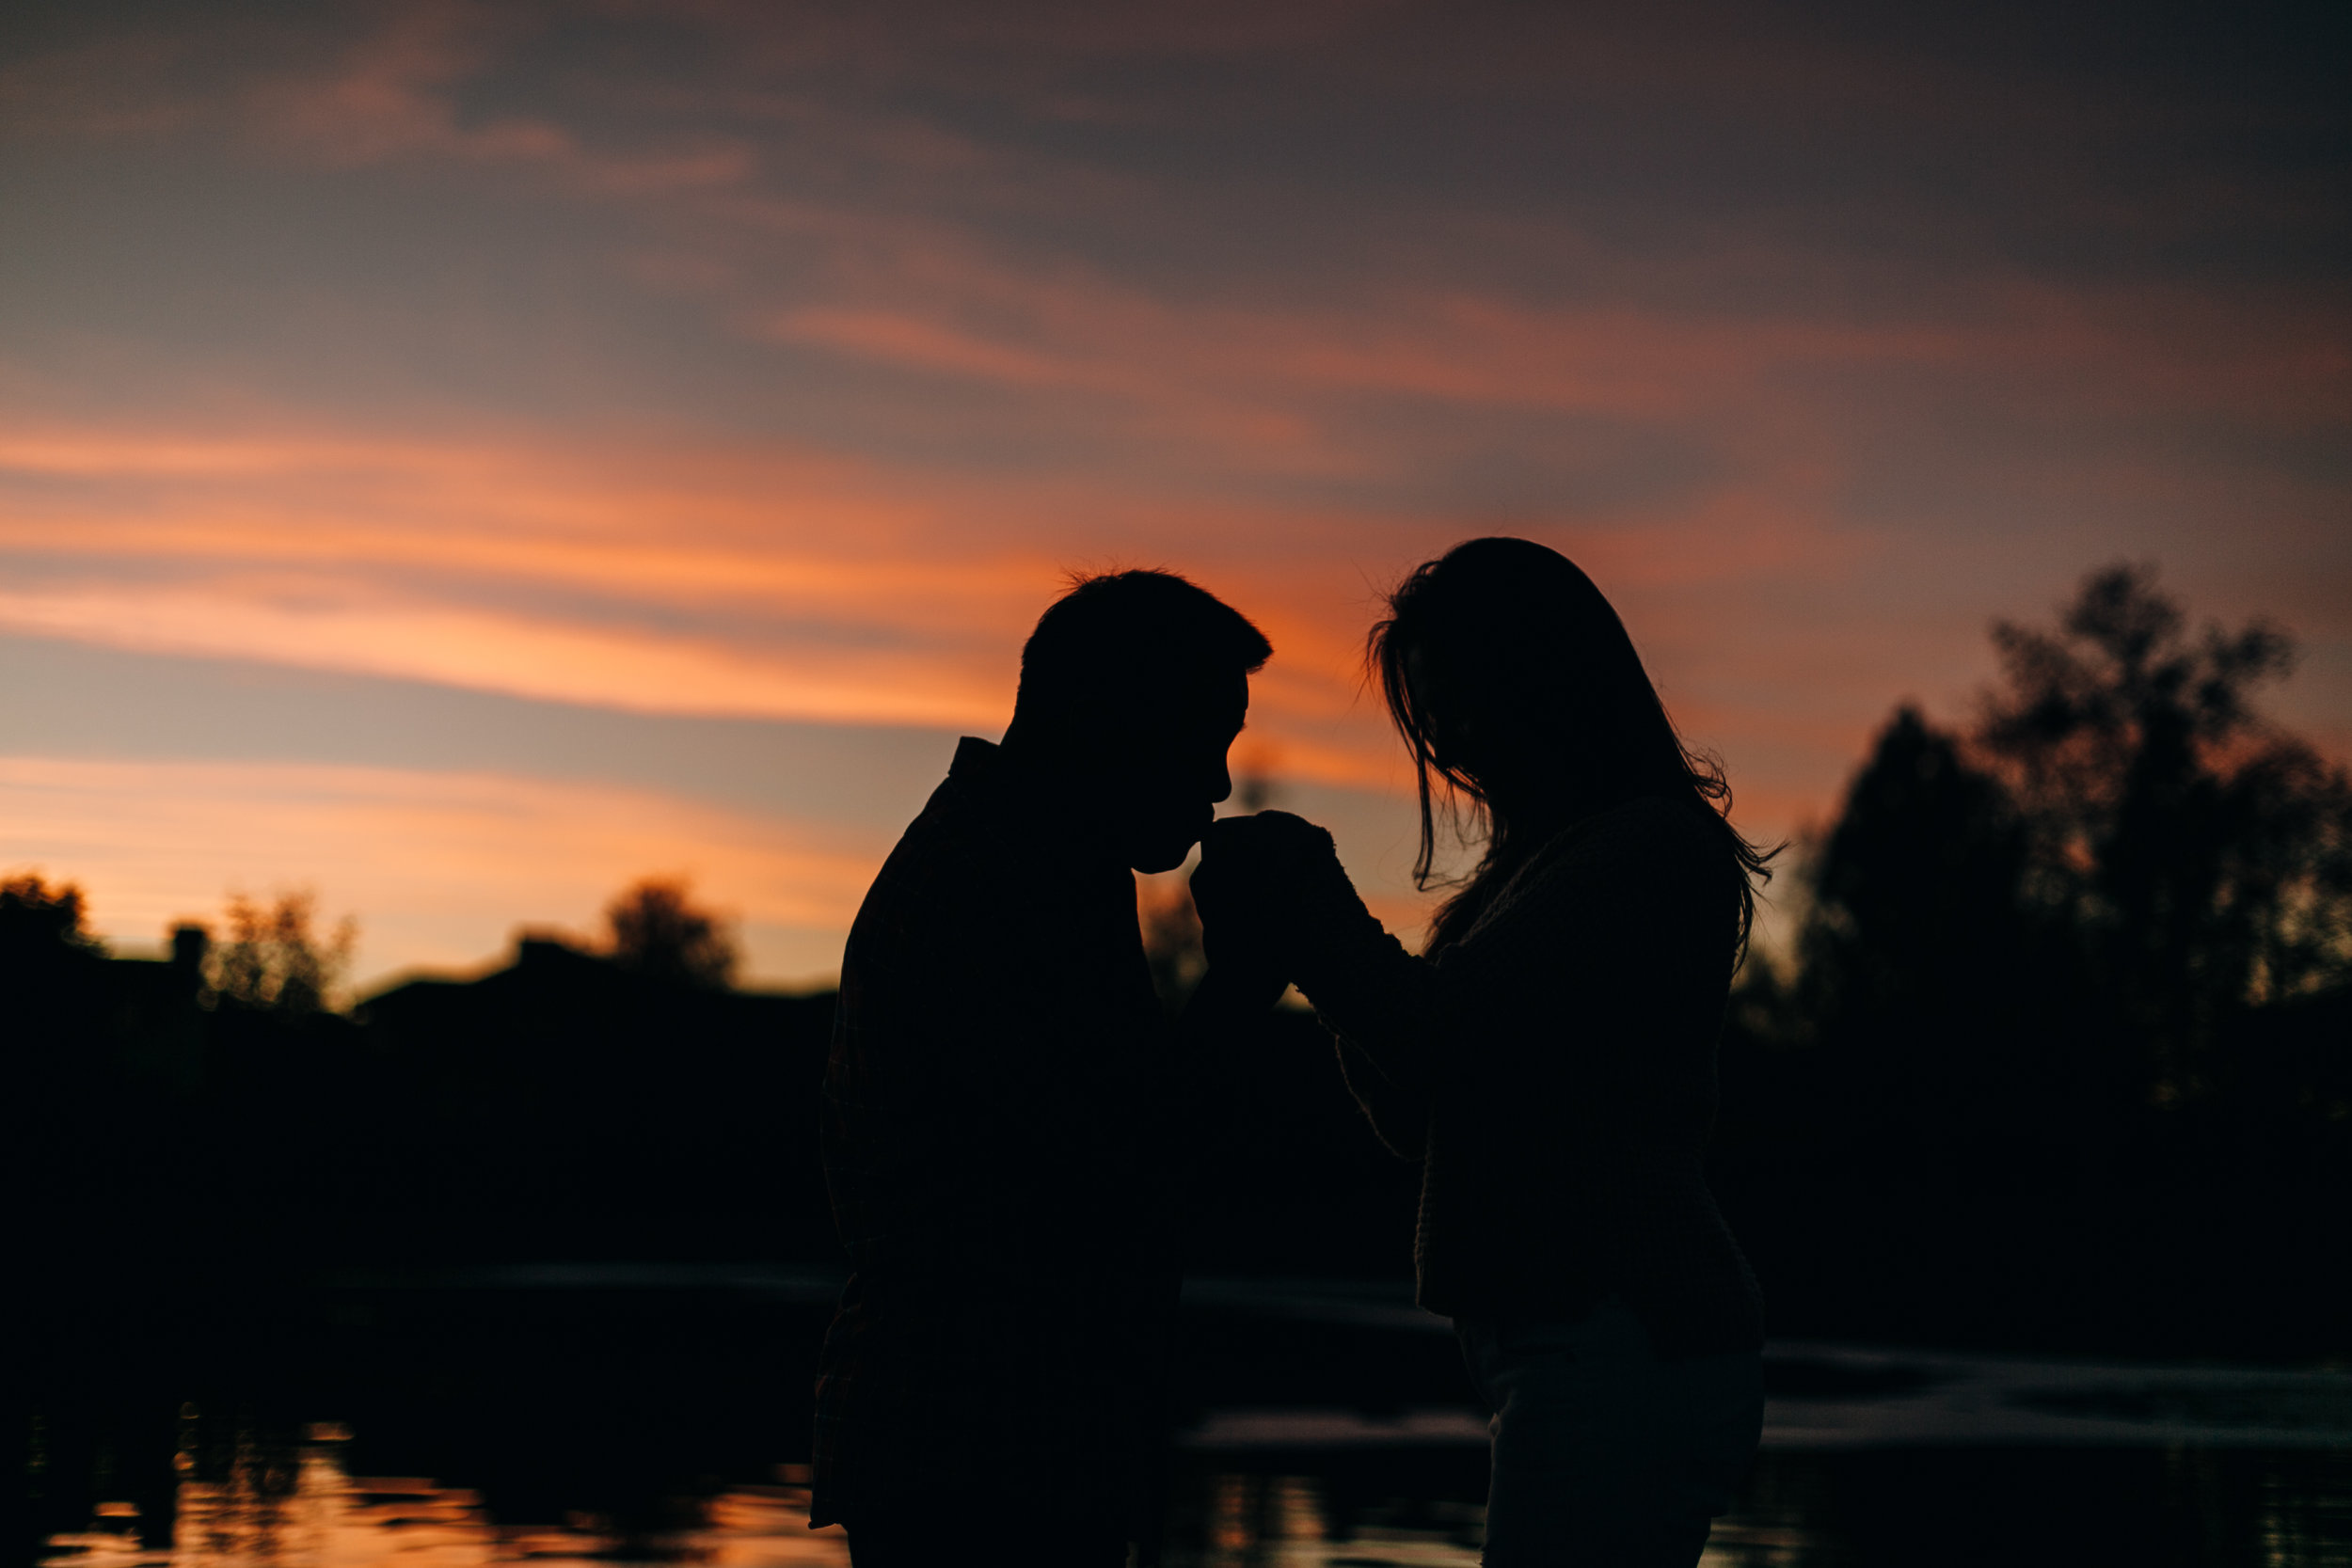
{"x":1254,"y":888}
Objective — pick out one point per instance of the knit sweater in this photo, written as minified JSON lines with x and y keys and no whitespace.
{"x":1553,"y":1068}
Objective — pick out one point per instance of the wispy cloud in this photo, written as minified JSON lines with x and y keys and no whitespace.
{"x":716,"y":581}
{"x":774,"y":359}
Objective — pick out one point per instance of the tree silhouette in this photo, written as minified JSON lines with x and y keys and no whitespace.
{"x":36,"y":918}
{"x":1919,"y":819}
{"x":2201,"y":858}
{"x":2039,"y":930}
{"x":2068,"y":1054}
{"x":656,"y":929}
{"x":50,"y":973}
{"x":274,"y":960}
{"x":1923,"y":967}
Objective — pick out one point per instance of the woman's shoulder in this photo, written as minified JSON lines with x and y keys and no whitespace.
{"x":1622,"y":870}
{"x":1648,"y":827}
{"x":1643,"y":844}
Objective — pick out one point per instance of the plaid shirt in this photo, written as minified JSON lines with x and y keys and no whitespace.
{"x":997,"y":1149}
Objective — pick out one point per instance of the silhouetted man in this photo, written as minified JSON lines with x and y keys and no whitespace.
{"x":1001,"y":1104}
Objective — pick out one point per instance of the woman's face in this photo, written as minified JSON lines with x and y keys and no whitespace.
{"x":1454,"y":735}
{"x":1472,"y":732}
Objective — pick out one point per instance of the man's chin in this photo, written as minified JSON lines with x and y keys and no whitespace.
{"x":1154,"y":862}
{"x":1164,"y":854}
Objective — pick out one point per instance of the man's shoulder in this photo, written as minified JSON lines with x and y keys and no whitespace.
{"x":962,"y":864}
{"x":942,"y":852}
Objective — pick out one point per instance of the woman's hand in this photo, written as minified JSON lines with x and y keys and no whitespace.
{"x":1284,"y":860}
{"x":1263,"y":880}
{"x":1230,"y":894}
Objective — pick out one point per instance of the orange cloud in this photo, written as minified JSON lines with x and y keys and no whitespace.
{"x":516,"y":653}
{"x":762,"y":582}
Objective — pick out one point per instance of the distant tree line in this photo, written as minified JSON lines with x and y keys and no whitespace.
{"x":219,"y":1110}
{"x":2062,"y":1055}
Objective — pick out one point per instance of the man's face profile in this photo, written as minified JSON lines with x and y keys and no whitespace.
{"x":1176,"y":773}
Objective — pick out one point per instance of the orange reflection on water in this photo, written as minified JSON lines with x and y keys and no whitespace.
{"x":1273,"y":1521}
{"x":297,"y":1507}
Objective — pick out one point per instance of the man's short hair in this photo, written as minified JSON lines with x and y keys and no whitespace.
{"x":1118,"y":640}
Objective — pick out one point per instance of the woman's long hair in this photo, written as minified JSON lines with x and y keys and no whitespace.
{"x":1525,"y":634}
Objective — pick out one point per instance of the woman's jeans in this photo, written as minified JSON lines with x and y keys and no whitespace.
{"x":1604,"y":1456}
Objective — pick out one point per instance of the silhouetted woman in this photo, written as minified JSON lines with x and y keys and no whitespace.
{"x":1550,"y":1058}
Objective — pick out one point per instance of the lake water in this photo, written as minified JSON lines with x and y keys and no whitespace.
{"x":618,"y":1416}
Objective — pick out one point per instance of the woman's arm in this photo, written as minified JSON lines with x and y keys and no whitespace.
{"x":1248,"y":894}
{"x":1399,"y":1116}
{"x":1274,"y":881}
{"x":1601,"y":929}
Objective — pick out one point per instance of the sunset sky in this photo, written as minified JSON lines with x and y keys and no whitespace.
{"x":459,"y":457}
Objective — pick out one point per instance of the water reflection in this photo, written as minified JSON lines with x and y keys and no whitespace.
{"x":295,"y":1505}
{"x":1284,"y":1522}
{"x":252,"y":1503}
{"x":1312,"y":1435}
